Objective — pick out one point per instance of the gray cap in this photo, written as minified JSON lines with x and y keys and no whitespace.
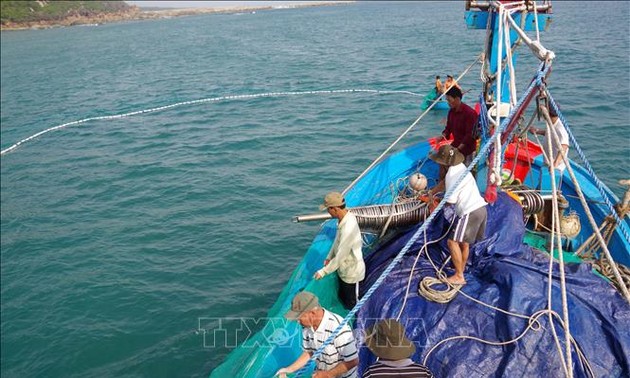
{"x":302,"y":302}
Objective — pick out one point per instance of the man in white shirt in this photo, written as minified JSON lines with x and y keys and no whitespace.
{"x":345,"y":256}
{"x":563,"y":136}
{"x":339,"y":358}
{"x":470,"y":209}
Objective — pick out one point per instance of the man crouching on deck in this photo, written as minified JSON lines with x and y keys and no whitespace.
{"x":470,"y":208}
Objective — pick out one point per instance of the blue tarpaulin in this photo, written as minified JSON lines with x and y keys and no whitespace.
{"x":505,"y":273}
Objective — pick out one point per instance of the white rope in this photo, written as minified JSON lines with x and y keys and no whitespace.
{"x":533,"y":324}
{"x":535,"y":46}
{"x":589,"y":215}
{"x":201,"y":101}
{"x":495,"y":176}
{"x":556,"y":229}
{"x":378,"y":159}
{"x":425,"y":288}
{"x":536,"y":22}
{"x":508,"y":51}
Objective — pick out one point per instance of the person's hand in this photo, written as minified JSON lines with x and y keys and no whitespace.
{"x":533,"y":130}
{"x":282,"y":373}
{"x":317,"y":276}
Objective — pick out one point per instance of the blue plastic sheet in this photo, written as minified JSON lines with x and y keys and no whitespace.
{"x":504,"y":273}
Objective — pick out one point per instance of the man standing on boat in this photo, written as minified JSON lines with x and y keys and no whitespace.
{"x":345,"y":256}
{"x":439,"y":88}
{"x":563,"y":136}
{"x":339,"y":358}
{"x":461,"y":123}
{"x":470,"y":209}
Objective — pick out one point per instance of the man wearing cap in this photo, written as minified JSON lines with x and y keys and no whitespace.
{"x":470,"y":208}
{"x":340,"y":357}
{"x":387,"y":340}
{"x":461,"y":122}
{"x":345,"y":256}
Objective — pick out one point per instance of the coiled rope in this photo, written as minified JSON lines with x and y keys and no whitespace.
{"x":202,"y":101}
{"x":542,"y":71}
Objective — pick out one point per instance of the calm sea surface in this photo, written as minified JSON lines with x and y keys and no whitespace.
{"x":119,"y":234}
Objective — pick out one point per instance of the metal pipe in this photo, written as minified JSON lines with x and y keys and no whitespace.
{"x":374,"y":217}
{"x":311,"y":217}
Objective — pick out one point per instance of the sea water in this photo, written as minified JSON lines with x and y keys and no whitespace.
{"x":119,"y":235}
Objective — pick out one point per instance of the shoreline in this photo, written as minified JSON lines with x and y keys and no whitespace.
{"x":138,"y":14}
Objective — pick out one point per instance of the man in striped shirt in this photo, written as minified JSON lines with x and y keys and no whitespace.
{"x":340,"y":357}
{"x":387,"y":340}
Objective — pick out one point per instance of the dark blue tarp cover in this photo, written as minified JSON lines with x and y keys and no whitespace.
{"x":505,"y":273}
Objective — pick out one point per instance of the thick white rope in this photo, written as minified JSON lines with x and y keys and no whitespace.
{"x":378,"y":159}
{"x":535,"y":46}
{"x":589,"y":215}
{"x":495,"y":176}
{"x":508,"y":51}
{"x":536,"y":22}
{"x":202,"y":101}
{"x":556,"y":229}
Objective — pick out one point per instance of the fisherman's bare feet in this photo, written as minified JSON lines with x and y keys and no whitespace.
{"x":455,"y":280}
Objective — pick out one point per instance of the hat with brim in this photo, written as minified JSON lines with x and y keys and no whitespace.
{"x":302,"y":302}
{"x":447,"y":155}
{"x":386,"y":339}
{"x":332,"y":199}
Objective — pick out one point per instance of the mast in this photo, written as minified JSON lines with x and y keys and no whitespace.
{"x":484,"y":15}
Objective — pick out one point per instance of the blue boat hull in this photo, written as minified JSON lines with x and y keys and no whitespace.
{"x":278,"y":343}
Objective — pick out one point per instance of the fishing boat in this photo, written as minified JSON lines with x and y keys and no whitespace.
{"x":547,"y":288}
{"x":432,"y":99}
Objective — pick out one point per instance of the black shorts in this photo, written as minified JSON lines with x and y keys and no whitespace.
{"x":470,"y":227}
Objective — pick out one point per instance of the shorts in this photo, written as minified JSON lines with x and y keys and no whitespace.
{"x":470,"y":227}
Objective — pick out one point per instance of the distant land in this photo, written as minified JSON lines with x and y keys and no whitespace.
{"x":17,"y":15}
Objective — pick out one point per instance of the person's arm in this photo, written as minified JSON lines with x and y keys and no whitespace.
{"x":344,"y":248}
{"x":295,"y":366}
{"x":333,"y":251}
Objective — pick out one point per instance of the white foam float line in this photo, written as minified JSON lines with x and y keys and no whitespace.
{"x":200,"y":101}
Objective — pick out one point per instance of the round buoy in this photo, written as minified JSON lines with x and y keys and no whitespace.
{"x":418,"y":182}
{"x":570,"y":225}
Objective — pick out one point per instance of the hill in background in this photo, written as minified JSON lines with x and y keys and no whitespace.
{"x":28,"y":14}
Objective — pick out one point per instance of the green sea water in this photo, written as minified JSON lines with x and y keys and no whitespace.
{"x":118,"y":235}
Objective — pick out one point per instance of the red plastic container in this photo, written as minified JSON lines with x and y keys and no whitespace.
{"x":527,"y":152}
